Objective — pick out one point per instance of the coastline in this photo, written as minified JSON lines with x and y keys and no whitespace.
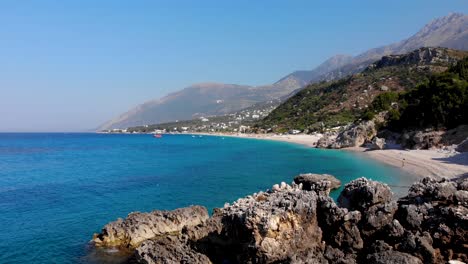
{"x":421,"y":163}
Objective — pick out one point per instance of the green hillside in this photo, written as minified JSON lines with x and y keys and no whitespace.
{"x":330,"y":104}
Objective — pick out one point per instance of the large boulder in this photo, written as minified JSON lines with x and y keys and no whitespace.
{"x":326,"y":141}
{"x":377,"y":143}
{"x":138,"y":227}
{"x":356,"y":135}
{"x":422,"y":139}
{"x":320,"y":183}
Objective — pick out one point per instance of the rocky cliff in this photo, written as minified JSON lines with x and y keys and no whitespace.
{"x":302,"y":224}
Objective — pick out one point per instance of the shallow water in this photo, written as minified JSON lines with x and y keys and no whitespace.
{"x":56,"y":190}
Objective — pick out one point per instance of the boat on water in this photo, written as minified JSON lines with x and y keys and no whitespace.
{"x":157,"y":136}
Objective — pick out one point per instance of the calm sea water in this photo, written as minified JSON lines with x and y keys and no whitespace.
{"x":56,"y":190}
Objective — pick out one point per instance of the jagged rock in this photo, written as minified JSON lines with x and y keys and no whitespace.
{"x":463,"y":146}
{"x":265,"y":228}
{"x":356,"y":135}
{"x":320,"y":183}
{"x":169,"y":249}
{"x":362,"y":193}
{"x":377,"y":143}
{"x":394,"y":230}
{"x":289,"y":224}
{"x":428,"y":190}
{"x":432,"y":207}
{"x":340,"y":226}
{"x":138,"y":227}
{"x":373,"y":200}
{"x":334,"y":255}
{"x":394,"y":257}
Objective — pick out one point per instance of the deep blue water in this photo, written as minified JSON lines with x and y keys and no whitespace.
{"x":56,"y":190}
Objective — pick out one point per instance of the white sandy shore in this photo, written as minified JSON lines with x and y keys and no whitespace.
{"x":424,"y":163}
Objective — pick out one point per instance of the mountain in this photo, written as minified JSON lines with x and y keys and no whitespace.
{"x":203,"y":99}
{"x":450,"y":32}
{"x":340,"y":102}
{"x":329,"y":65}
{"x":209,"y":99}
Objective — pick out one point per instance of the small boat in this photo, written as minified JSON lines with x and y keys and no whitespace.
{"x":157,"y":135}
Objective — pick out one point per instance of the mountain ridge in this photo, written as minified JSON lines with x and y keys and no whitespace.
{"x":450,"y":31}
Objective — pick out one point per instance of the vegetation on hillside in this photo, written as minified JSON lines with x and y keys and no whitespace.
{"x":330,"y":104}
{"x":440,"y":102}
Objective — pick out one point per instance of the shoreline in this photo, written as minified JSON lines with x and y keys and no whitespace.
{"x":434,"y":163}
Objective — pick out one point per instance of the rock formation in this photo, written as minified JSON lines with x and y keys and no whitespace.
{"x":300,"y":223}
{"x":320,"y":183}
{"x":422,"y":139}
{"x":139,"y":227}
{"x":354,"y":136}
{"x":378,"y":143}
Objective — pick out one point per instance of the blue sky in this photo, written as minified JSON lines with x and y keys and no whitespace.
{"x":71,"y":65}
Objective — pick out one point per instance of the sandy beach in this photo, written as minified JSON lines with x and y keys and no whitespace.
{"x":434,"y":163}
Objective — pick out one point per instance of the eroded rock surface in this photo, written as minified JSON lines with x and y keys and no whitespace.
{"x":355,"y":136}
{"x":302,"y":224}
{"x":320,"y":183}
{"x":138,"y":227}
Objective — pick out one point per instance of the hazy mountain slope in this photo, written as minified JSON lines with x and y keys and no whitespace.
{"x":340,"y":102}
{"x":197,"y":100}
{"x":218,"y":99}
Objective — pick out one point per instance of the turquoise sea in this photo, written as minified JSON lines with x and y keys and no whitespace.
{"x":56,"y":189}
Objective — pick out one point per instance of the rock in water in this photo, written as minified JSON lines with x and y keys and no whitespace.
{"x":318,"y":182}
{"x":302,"y":224}
{"x":138,"y":227}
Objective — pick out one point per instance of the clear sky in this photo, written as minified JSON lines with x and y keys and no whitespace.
{"x":71,"y":65}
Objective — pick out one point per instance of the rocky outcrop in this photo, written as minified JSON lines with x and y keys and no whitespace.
{"x":355,"y":136}
{"x":273,"y":226}
{"x":326,"y":141}
{"x":139,"y":227}
{"x":320,"y":183}
{"x":299,"y":223}
{"x":421,"y":57}
{"x":373,"y":200}
{"x":422,"y":139}
{"x":169,"y":249}
{"x":377,"y":143}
